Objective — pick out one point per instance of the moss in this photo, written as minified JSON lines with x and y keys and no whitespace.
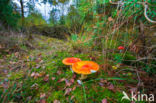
{"x":44,"y":87}
{"x":54,"y":89}
{"x":56,"y":95}
{"x":78,"y":94}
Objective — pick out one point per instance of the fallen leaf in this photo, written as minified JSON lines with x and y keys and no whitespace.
{"x":72,"y":81}
{"x":5,"y":85}
{"x":39,"y":55}
{"x":41,"y":74}
{"x":41,"y":61}
{"x":61,"y":80}
{"x":56,"y":101}
{"x":67,"y":82}
{"x":36,"y":75}
{"x":59,"y":72}
{"x":67,"y":91}
{"x":103,"y":81}
{"x":111,"y":87}
{"x":33,"y":74}
{"x":42,"y":101}
{"x":53,"y":78}
{"x":42,"y":95}
{"x":29,"y":98}
{"x":74,"y":76}
{"x":74,"y":88}
{"x":104,"y":101}
{"x":110,"y":19}
{"x":46,"y":78}
{"x":72,"y":97}
{"x":34,"y":86}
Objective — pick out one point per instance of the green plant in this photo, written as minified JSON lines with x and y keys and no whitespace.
{"x":150,"y":68}
{"x":8,"y":16}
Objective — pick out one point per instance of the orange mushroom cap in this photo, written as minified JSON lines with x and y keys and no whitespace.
{"x":85,"y":67}
{"x":70,"y":60}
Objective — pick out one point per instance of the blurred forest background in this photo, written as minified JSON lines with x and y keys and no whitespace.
{"x":35,"y":35}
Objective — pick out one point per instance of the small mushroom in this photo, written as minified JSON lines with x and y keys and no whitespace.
{"x":70,"y":61}
{"x":84,"y":68}
{"x":121,"y":48}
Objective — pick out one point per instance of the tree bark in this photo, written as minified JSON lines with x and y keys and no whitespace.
{"x":22,"y":12}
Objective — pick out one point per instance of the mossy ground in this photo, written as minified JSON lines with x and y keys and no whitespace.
{"x":55,"y":81}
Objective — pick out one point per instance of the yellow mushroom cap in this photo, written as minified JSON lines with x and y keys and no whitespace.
{"x":70,"y":60}
{"x":85,"y":67}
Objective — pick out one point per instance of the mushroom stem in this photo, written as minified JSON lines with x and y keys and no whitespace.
{"x":83,"y":77}
{"x":71,"y":69}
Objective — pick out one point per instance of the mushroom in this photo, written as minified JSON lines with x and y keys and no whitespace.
{"x":70,"y":61}
{"x":121,"y":48}
{"x":84,"y":68}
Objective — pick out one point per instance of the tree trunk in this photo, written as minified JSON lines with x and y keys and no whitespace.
{"x":22,"y":11}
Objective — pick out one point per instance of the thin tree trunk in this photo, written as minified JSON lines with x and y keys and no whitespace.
{"x":22,"y":11}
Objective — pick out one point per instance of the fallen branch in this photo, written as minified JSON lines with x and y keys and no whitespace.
{"x":145,"y":14}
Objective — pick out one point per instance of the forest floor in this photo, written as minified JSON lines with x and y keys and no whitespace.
{"x":39,"y":76}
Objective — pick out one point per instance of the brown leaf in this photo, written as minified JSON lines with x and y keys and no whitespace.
{"x":59,"y":72}
{"x":5,"y":85}
{"x":33,"y":74}
{"x":41,"y":74}
{"x":61,"y":80}
{"x":72,"y":97}
{"x":72,"y":81}
{"x":42,"y":95}
{"x":67,"y":91}
{"x":74,"y":88}
{"x":67,"y":82}
{"x":53,"y":78}
{"x":42,"y":101}
{"x":56,"y":101}
{"x":46,"y":78}
{"x":110,"y":19}
{"x":103,"y":81}
{"x":104,"y":101}
{"x":36,"y":75}
{"x":74,"y":76}
{"x":41,"y":61}
{"x":29,"y":98}
{"x":39,"y":55}
{"x":111,"y":87}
